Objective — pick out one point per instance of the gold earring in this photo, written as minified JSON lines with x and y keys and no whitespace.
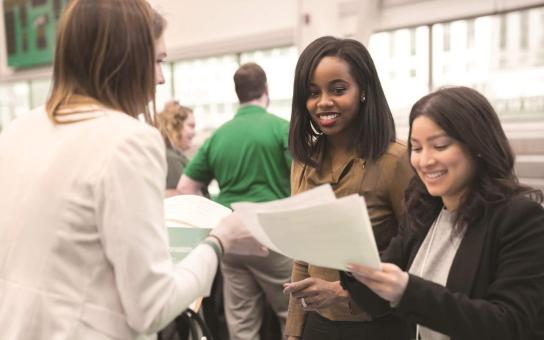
{"x":314,"y":129}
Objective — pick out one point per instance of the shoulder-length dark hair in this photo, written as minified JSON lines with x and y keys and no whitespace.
{"x":468,"y":117}
{"x":105,"y":50}
{"x":375,"y":126}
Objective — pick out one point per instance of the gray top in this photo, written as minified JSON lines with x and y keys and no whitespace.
{"x":176,"y":162}
{"x":434,"y":258}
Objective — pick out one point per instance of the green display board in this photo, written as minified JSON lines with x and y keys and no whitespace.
{"x":30,"y":31}
{"x":183,"y":240}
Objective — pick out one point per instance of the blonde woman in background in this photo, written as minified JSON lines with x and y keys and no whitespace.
{"x":177,"y":126}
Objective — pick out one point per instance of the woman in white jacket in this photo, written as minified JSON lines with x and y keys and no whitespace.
{"x":83,"y":249}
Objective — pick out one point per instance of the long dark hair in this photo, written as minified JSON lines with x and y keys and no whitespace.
{"x":468,"y":117}
{"x":375,"y":126}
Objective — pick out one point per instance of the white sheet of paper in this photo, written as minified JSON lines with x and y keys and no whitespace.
{"x":328,"y":235}
{"x":193,"y":211}
{"x":189,"y":219}
{"x":248,"y":211}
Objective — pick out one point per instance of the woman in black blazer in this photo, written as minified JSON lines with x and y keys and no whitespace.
{"x":469,"y":261}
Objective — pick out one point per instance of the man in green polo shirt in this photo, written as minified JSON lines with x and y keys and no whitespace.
{"x":248,"y":156}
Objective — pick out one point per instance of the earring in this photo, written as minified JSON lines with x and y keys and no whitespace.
{"x":363,"y":97}
{"x":314,"y":129}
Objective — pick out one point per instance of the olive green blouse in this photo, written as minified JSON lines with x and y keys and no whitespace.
{"x":382,"y":184}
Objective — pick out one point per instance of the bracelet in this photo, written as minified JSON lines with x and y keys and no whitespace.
{"x":220,"y":243}
{"x":216,"y":247}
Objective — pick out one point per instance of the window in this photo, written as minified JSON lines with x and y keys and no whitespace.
{"x":164,"y":92}
{"x":205,"y":83}
{"x":499,"y":62}
{"x":446,"y":42}
{"x":279,"y":65}
{"x":39,"y":91}
{"x":404,"y":73}
{"x":14,"y":100}
{"x":500,"y":55}
{"x":471,"y":28}
{"x":412,"y":42}
{"x":524,"y":30}
{"x":503,"y":22}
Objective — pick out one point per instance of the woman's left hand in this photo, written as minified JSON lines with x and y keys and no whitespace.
{"x":236,"y":238}
{"x":314,"y":293}
{"x":389,"y":283}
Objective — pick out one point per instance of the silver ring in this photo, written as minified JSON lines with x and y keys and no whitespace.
{"x":304,"y":305}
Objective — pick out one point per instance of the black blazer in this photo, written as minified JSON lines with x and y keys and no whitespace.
{"x":495,"y":288}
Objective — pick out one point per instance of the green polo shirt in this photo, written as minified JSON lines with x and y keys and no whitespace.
{"x":248,"y":156}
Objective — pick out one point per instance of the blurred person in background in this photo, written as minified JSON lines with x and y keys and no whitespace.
{"x":177,"y":126}
{"x":83,"y":246}
{"x":248,"y":157}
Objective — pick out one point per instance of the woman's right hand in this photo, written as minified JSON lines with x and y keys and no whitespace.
{"x":236,"y":238}
{"x":314,"y":293}
{"x":389,"y":283}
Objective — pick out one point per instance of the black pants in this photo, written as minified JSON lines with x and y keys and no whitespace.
{"x":388,"y":327}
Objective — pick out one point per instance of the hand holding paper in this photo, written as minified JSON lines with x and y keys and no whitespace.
{"x":191,"y":218}
{"x":248,"y":211}
{"x":315,"y":227}
{"x":236,"y":238}
{"x":389,"y":283}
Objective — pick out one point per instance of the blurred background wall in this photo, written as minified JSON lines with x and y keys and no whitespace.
{"x":495,"y":46}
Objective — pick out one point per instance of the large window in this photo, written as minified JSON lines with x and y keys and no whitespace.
{"x":501,"y":56}
{"x":163,"y":93}
{"x":206,"y":84}
{"x":18,"y":97}
{"x":15,"y":99}
{"x":402,"y":61}
{"x":279,"y":65}
{"x":39,"y":91}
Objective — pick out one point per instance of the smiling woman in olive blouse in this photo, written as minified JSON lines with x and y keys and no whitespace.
{"x":342,"y":133}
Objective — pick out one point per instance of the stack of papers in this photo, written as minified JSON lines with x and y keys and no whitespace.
{"x":315,"y":227}
{"x":189,"y":219}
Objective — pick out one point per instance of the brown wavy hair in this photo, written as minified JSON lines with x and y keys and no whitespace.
{"x":467,"y":117}
{"x":375,"y":124}
{"x":105,"y":50}
{"x":170,"y":121}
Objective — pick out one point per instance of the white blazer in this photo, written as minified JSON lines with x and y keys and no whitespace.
{"x":83,"y":249}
